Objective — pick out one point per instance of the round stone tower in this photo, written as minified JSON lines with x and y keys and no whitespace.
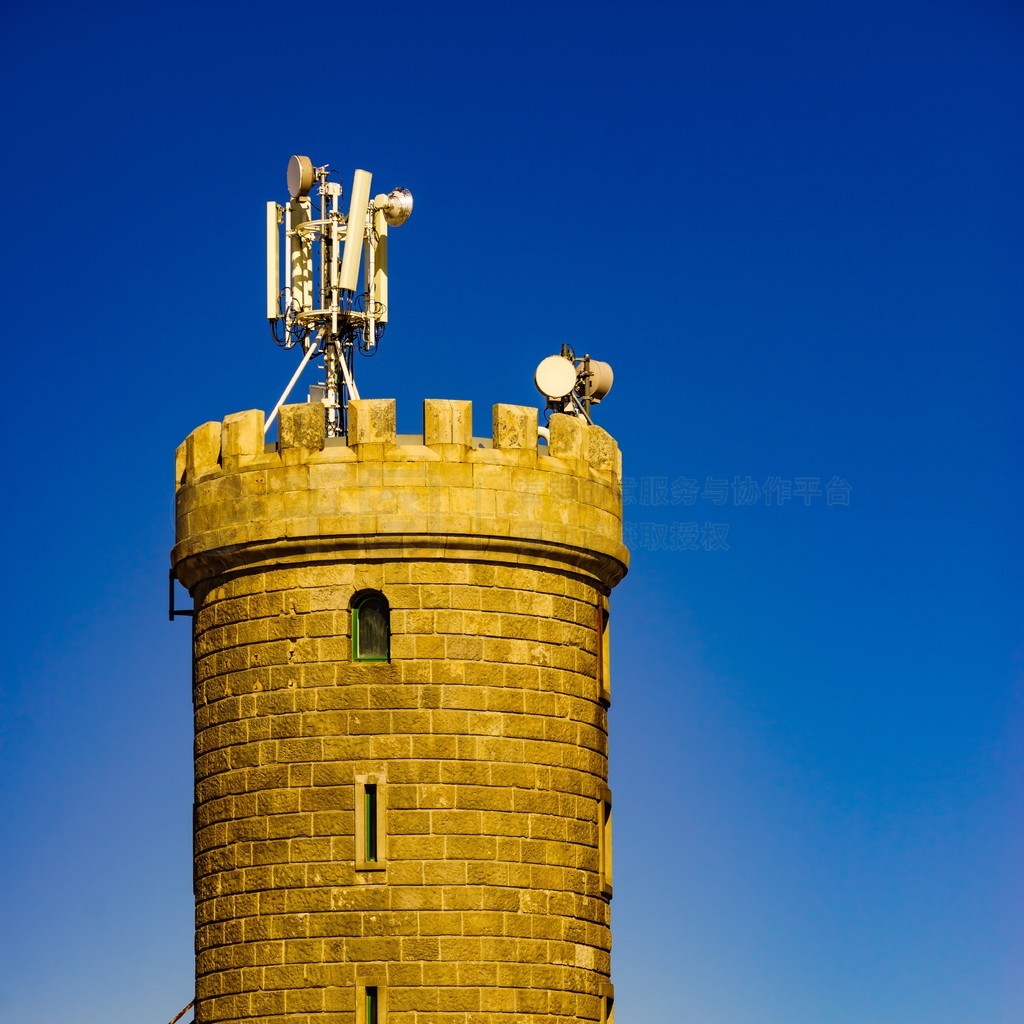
{"x":401,"y":686}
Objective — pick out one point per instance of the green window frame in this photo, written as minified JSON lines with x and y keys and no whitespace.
{"x":371,"y":627}
{"x":370,"y":806}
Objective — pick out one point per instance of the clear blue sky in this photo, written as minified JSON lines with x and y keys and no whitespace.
{"x":795,"y":229}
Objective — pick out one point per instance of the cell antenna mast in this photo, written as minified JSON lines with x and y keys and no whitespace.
{"x":314,"y":298}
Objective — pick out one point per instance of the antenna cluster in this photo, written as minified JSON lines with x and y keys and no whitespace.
{"x":573,"y":385}
{"x":315,"y":296}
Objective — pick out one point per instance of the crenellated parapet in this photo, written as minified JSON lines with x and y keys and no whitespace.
{"x":507,"y":499}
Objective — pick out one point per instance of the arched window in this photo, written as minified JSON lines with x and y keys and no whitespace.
{"x":371,"y":627}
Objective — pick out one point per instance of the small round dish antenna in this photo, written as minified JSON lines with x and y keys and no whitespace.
{"x":572,"y":386}
{"x":300,"y":176}
{"x":555,"y":377}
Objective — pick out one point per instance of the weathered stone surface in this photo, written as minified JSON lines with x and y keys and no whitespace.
{"x":202,"y":450}
{"x":515,"y":426}
{"x":371,"y":421}
{"x":447,"y":421}
{"x":301,"y":426}
{"x":569,"y":437}
{"x":242,"y":434}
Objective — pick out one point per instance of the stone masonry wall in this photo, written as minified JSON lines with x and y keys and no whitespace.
{"x":486,"y":733}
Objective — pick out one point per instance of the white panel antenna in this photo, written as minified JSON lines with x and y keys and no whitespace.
{"x":320,"y":305}
{"x":377,"y":260}
{"x":355,"y":231}
{"x":273,"y":260}
{"x":573,"y":385}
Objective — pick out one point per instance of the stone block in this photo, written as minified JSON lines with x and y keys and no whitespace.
{"x":371,"y":421}
{"x":603,"y":452}
{"x":515,"y":426}
{"x":447,"y":422}
{"x":242,"y":434}
{"x":202,"y":450}
{"x":568,"y":437}
{"x":301,"y":426}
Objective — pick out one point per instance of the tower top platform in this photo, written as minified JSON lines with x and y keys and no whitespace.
{"x":243,"y":504}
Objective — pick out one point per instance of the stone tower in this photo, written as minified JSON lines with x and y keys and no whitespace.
{"x":401,"y":686}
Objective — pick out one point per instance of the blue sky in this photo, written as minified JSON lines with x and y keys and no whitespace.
{"x":794,"y":230}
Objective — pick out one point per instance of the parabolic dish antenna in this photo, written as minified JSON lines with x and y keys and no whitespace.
{"x":300,"y":176}
{"x":397,"y":205}
{"x":555,"y":377}
{"x":601,"y":379}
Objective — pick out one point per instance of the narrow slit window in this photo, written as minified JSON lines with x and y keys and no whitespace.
{"x":604,"y":841}
{"x":371,"y":1005}
{"x":371,"y":627}
{"x":370,"y":837}
{"x":370,"y":823}
{"x":604,"y":675}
